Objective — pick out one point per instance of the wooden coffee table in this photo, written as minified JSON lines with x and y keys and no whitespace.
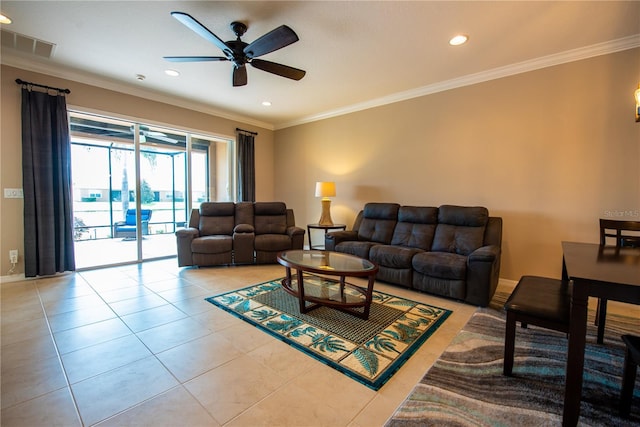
{"x":340,"y":295}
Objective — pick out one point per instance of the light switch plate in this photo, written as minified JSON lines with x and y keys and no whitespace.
{"x":13,"y":193}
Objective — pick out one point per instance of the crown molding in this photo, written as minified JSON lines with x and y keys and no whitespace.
{"x":105,"y":83}
{"x":578,"y":54}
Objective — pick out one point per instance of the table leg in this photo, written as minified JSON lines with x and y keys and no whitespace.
{"x":288,"y":275}
{"x":575,"y":355}
{"x":369,"y":297}
{"x":303,"y":305}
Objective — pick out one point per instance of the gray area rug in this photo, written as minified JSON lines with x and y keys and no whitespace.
{"x":465,"y":386}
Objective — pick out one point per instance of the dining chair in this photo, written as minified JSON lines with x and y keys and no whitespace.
{"x":625,"y":234}
{"x":539,"y":301}
{"x":631,"y":362}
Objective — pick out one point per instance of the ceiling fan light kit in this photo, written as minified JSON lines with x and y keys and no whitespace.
{"x":241,"y":53}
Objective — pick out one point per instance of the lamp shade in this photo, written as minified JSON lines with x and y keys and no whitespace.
{"x":325,"y":189}
{"x":636,"y":95}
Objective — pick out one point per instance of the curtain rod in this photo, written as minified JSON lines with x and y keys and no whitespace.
{"x":247,"y":131}
{"x":22,"y":82}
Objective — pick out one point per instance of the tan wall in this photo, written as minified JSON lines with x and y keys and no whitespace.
{"x":550,"y":151}
{"x":98,"y":99}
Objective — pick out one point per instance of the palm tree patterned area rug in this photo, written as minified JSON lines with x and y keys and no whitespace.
{"x":369,"y":351}
{"x":465,"y":386}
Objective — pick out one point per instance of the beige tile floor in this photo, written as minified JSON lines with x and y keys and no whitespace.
{"x":138,"y":345}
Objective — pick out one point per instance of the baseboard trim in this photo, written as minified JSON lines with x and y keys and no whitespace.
{"x":19,"y":277}
{"x":507,"y":283}
{"x":12,"y":278}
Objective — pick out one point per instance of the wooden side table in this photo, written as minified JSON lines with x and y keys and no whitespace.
{"x":326,"y":228}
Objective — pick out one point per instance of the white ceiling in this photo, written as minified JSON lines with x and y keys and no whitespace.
{"x":356,"y":54}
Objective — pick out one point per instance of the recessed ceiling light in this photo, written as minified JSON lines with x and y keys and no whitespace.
{"x":266,"y":103}
{"x":4,"y":19}
{"x":172,"y":73}
{"x":458,"y":40}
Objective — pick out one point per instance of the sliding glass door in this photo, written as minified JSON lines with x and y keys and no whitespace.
{"x":104,"y":191}
{"x":163,"y":188}
{"x":134,"y":185}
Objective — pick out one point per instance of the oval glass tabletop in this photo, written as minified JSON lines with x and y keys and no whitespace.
{"x":326,"y":260}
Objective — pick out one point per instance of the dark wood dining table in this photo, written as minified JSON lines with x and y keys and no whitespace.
{"x":597,"y":271}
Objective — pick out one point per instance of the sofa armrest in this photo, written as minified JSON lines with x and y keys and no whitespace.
{"x":297,"y":237}
{"x":332,"y":238}
{"x":184,"y":238}
{"x":485,"y":254}
{"x":243,"y":228}
{"x":483,"y":273}
{"x":244,"y":237}
{"x":294,"y":231}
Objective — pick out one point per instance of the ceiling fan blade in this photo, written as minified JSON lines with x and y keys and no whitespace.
{"x":194,"y":58}
{"x":239,"y":75}
{"x":279,"y":69}
{"x":162,"y":138}
{"x":195,"y":26}
{"x":273,"y":40}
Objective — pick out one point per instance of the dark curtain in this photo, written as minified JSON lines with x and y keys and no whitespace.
{"x":246,"y":168}
{"x":46,"y":174}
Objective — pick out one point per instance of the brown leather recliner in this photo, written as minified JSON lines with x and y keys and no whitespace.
{"x":222,"y":233}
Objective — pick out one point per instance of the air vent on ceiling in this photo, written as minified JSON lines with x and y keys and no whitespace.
{"x":26,"y":44}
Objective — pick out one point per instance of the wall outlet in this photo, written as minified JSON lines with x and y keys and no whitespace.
{"x":13,"y":193}
{"x":13,"y":256}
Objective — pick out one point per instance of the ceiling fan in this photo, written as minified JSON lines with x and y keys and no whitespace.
{"x":241,"y":53}
{"x":155,"y":136}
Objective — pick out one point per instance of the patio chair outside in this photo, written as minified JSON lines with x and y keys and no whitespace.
{"x":127,"y":228}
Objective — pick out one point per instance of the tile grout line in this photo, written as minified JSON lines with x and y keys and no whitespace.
{"x":55,"y":345}
{"x":99,"y":295}
{"x":152,"y":353}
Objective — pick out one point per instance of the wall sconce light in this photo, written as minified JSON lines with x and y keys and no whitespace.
{"x":325,"y":190}
{"x":636,"y":95}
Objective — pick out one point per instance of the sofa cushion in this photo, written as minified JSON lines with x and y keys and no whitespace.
{"x":392,"y":256}
{"x":217,"y":209}
{"x":460,"y":229}
{"x":270,"y":218}
{"x":354,"y":247}
{"x":416,"y":227}
{"x":378,"y":222}
{"x":272,"y":242}
{"x":443,"y":265}
{"x":244,"y":213}
{"x":212,"y":244}
{"x":216,"y":218}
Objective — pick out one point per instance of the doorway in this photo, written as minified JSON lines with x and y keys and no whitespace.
{"x":131,"y":186}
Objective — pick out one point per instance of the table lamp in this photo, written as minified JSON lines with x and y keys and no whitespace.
{"x":325,"y":190}
{"x":636,"y":95}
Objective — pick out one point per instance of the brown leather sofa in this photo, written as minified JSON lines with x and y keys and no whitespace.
{"x":222,"y":233}
{"x":450,"y":251}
